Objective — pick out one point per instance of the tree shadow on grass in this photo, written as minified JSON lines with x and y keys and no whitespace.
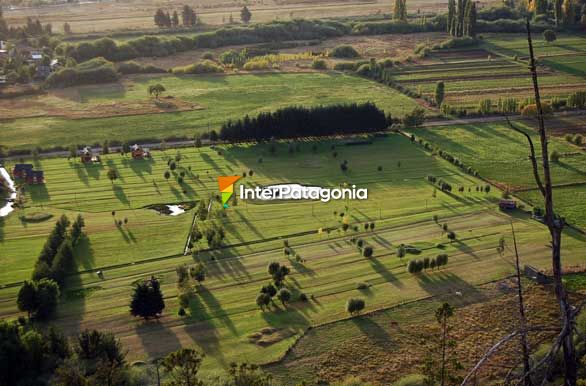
{"x":156,"y":338}
{"x":228,"y":262}
{"x":219,"y":313}
{"x":465,"y":248}
{"x":84,"y":253}
{"x":38,"y":193}
{"x":207,"y":159}
{"x":374,"y":332}
{"x":383,"y":271}
{"x":280,"y":316}
{"x":120,"y":195}
{"x":440,"y":283}
{"x":2,"y":223}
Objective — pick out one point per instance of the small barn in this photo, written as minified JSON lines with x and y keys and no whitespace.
{"x":139,"y":152}
{"x":507,"y":204}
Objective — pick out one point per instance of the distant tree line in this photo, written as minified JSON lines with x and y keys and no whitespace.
{"x":303,"y":121}
{"x":163,"y":19}
{"x":461,"y":18}
{"x":230,"y":35}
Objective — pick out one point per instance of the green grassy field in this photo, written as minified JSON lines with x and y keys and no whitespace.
{"x":220,"y":98}
{"x":500,"y":155}
{"x":223,"y":319}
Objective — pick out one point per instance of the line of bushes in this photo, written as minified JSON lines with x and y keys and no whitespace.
{"x":97,"y":70}
{"x":132,"y":67}
{"x":302,"y":121}
{"x":164,"y":46}
{"x":201,"y":67}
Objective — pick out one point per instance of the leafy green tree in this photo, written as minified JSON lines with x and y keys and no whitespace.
{"x":183,"y":366}
{"x":269,"y":289}
{"x":147,"y":299}
{"x":198,"y":273}
{"x":93,"y":346}
{"x":156,"y":90}
{"x":27,"y":297}
{"x":549,"y":36}
{"x":415,"y":118}
{"x":355,"y":305}
{"x":39,"y":298}
{"x":248,"y":375}
{"x":284,"y":295}
{"x":112,"y":174}
{"x":263,"y":300}
{"x":245,"y":15}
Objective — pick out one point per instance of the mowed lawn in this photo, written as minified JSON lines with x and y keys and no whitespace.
{"x":501,"y":155}
{"x":223,"y":319}
{"x":220,"y":98}
{"x":398,"y":193}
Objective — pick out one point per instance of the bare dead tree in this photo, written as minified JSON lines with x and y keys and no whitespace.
{"x":522,"y":318}
{"x":555,"y":227}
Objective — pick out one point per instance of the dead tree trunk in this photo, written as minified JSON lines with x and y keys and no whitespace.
{"x":522,"y":318}
{"x":555,"y":226}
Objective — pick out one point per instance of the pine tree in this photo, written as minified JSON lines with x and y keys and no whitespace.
{"x":439,"y":93}
{"x":245,"y":15}
{"x":160,"y":18}
{"x":147,"y":299}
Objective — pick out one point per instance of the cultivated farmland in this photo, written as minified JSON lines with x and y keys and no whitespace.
{"x":498,"y":69}
{"x":223,"y":319}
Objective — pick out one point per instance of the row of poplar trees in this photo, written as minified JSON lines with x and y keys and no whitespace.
{"x":461,"y":18}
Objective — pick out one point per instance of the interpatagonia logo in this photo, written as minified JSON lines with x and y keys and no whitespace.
{"x":226,"y":184}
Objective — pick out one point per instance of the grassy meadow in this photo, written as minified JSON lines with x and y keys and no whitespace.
{"x":218,"y":98}
{"x":223,"y":319}
{"x":501,"y":155}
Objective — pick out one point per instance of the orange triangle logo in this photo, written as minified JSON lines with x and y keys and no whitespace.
{"x":226,"y":182}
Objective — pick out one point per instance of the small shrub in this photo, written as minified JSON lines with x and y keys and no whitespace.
{"x":319,"y":64}
{"x":344,"y":51}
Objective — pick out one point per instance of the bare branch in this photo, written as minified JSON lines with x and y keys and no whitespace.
{"x":532,"y":156}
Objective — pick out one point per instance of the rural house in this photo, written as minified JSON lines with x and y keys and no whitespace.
{"x":88,"y":156}
{"x":139,"y":153}
{"x":25,"y":172}
{"x":22,"y":170}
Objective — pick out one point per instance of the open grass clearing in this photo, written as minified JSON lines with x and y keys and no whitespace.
{"x":223,"y":315}
{"x":220,"y":98}
{"x":501,"y":155}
